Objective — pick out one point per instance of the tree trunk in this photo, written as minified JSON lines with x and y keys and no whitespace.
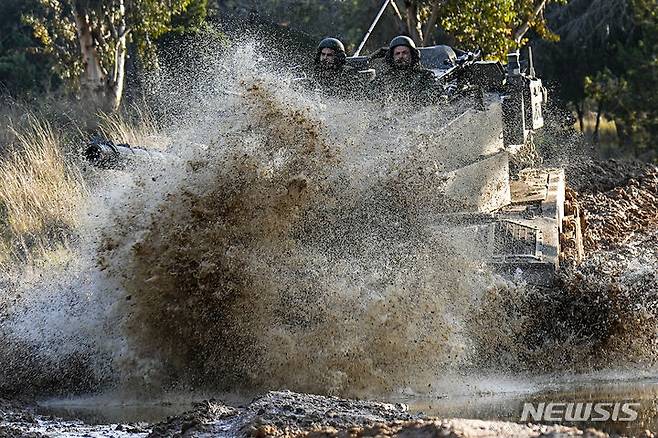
{"x":599,"y":110}
{"x":624,"y":136}
{"x":120,"y":53}
{"x":103,"y":89}
{"x":525,"y":27}
{"x":429,"y":27}
{"x":402,"y":25}
{"x":94,"y":78}
{"x":115,"y":86}
{"x":413,"y":25}
{"x":580,"y":112}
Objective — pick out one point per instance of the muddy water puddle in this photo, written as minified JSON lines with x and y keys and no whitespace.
{"x":490,"y":400}
{"x":96,"y":412}
{"x":640,"y":395}
{"x":104,"y":409}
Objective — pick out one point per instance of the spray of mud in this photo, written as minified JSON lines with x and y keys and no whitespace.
{"x":602,"y":313}
{"x":290,"y":244}
{"x":292,"y":251}
{"x":59,"y":331}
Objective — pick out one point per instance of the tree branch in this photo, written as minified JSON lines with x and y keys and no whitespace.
{"x":396,"y":11}
{"x":413,"y":27}
{"x":120,"y":35}
{"x":525,"y":27}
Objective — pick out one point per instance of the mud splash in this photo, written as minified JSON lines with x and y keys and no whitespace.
{"x":293,"y":252}
{"x":601,"y":315}
{"x":292,"y":244}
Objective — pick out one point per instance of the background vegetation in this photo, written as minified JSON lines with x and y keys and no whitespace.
{"x":599,"y":56}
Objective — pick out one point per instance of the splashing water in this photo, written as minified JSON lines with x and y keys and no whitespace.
{"x":293,"y":245}
{"x":292,"y":254}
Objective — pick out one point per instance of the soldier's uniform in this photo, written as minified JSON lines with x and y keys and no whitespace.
{"x":343,"y":82}
{"x":411,"y":83}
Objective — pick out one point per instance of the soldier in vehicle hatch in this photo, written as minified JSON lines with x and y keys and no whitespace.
{"x":404,"y":79}
{"x":330,"y":73}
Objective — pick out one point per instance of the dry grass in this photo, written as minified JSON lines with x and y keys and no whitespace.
{"x":607,"y":128}
{"x":607,"y":144}
{"x":40,"y":193}
{"x":41,"y":144}
{"x":136,"y":127}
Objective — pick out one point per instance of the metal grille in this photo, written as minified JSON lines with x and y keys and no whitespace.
{"x":514,"y":242}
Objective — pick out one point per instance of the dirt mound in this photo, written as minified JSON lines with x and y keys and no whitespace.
{"x":289,"y":414}
{"x":619,"y":199}
{"x":587,"y":176}
{"x":456,"y":429}
{"x":281,"y":413}
{"x":284,"y":414}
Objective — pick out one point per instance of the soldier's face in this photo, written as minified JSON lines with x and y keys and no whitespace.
{"x":402,"y":56}
{"x":328,"y":57}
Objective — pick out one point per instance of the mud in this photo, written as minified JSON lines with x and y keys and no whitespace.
{"x":455,"y":429}
{"x":283,"y":414}
{"x":620,"y":199}
{"x":599,"y":314}
{"x":292,"y":239}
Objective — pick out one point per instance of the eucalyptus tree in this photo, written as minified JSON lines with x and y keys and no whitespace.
{"x":88,"y":40}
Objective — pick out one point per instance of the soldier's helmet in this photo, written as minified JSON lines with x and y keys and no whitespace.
{"x":402,"y":40}
{"x":336,"y":46}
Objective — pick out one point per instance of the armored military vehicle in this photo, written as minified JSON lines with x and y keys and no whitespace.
{"x":494,"y":190}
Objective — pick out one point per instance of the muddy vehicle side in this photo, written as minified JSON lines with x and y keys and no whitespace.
{"x":494,"y":189}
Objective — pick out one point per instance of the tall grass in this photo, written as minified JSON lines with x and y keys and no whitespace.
{"x":136,"y":126}
{"x":40,"y":192}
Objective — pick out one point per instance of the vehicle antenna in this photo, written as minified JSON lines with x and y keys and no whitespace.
{"x":372,"y":26}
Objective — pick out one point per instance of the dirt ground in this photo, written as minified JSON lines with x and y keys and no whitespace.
{"x":619,"y":198}
{"x":288,"y":414}
{"x":284,"y":414}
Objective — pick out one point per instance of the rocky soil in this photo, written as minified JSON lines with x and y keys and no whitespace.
{"x":619,"y":198}
{"x":284,"y":414}
{"x":288,"y":414}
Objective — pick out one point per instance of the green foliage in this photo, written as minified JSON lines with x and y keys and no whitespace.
{"x":20,"y":70}
{"x":192,"y":19}
{"x":53,"y":28}
{"x":481,"y":23}
{"x":150,"y":19}
{"x":347,"y":20}
{"x":637,"y":104}
{"x":143,"y":21}
{"x":607,"y":59}
{"x":491,"y":24}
